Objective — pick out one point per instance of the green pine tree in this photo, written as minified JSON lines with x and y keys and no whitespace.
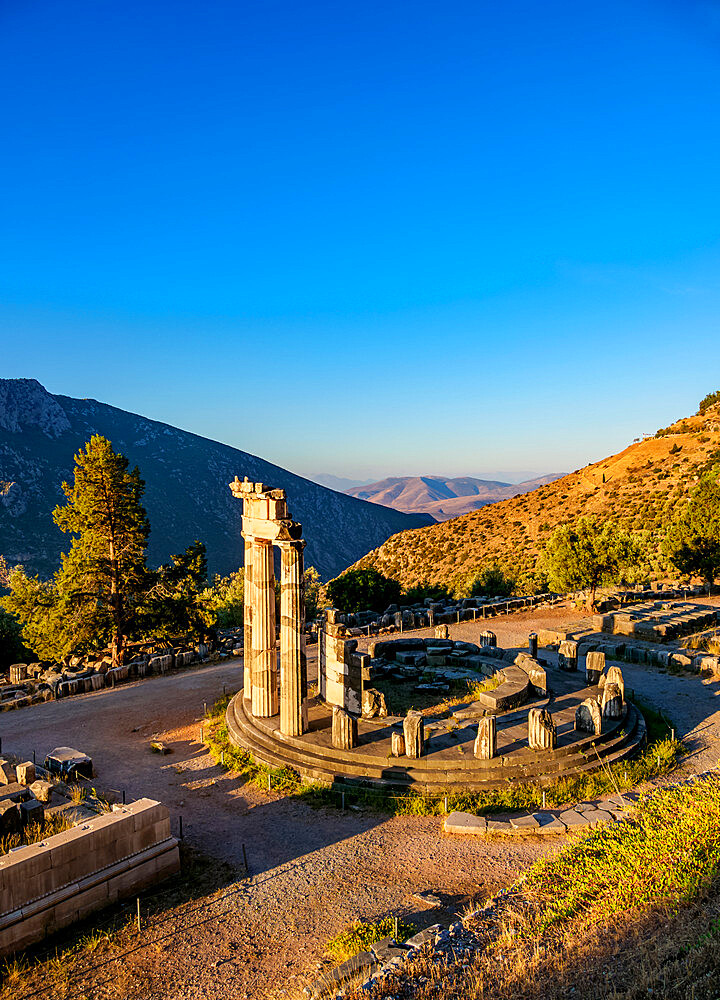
{"x":177,"y":604}
{"x":103,"y":578}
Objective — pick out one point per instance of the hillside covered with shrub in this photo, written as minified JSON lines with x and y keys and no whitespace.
{"x":641,"y":489}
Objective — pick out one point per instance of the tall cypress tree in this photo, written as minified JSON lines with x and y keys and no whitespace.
{"x":103,"y":577}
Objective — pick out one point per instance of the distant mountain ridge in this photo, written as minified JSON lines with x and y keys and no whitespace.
{"x":441,"y":497}
{"x":186,"y":476}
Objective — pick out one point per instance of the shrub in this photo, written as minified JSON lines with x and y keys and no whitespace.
{"x":710,"y":400}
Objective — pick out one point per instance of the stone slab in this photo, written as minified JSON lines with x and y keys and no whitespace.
{"x":462,"y":822}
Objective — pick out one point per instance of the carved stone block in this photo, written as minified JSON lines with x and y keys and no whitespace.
{"x":614,"y":676}
{"x":373,"y":704}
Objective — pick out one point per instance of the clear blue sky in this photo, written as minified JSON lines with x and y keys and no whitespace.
{"x":367,"y":238}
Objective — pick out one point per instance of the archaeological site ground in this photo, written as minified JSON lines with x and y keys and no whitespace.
{"x":354,"y":806}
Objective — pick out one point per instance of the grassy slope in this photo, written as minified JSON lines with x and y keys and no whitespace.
{"x":626,"y":911}
{"x":640,"y":487}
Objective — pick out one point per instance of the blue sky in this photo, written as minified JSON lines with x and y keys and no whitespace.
{"x":367,"y":238}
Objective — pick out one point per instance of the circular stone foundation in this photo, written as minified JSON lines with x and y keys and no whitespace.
{"x":448,"y":763}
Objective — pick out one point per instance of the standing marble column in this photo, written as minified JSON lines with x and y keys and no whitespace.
{"x":293,"y":662}
{"x":248,"y":597}
{"x":264,"y":643}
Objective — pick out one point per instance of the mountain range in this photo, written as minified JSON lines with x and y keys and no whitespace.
{"x":640,"y":488}
{"x":443,"y":498}
{"x":186,"y":477}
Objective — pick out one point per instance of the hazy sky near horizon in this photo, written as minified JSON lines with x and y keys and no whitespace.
{"x":367,"y":238}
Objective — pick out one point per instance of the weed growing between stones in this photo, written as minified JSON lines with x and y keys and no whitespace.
{"x":361,"y":934}
{"x":33,"y":833}
{"x":659,"y":758}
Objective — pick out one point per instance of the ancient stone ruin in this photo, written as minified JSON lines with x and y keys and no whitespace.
{"x":490,"y":716}
{"x":266,"y":523}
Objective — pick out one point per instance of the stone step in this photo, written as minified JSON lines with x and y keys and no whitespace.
{"x":329,"y":765}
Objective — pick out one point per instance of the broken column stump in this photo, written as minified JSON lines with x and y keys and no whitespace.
{"x":588,"y":718}
{"x":594,"y":667}
{"x":614,"y":676}
{"x":344,"y":729}
{"x":612,"y":701}
{"x":414,"y":733}
{"x":486,"y":739}
{"x":542,"y":734}
{"x":567,"y":655}
{"x":397,"y":745}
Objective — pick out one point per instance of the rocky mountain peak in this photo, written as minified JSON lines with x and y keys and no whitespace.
{"x":24,"y":403}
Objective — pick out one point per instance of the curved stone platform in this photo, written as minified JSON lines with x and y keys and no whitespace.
{"x":449,"y":763}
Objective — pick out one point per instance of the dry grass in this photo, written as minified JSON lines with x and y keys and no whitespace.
{"x":33,"y":833}
{"x":627,"y":911}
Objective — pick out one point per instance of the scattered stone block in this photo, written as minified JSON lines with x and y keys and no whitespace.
{"x":42,"y":790}
{"x":499,"y":826}
{"x":32,"y":811}
{"x":373,"y":704}
{"x":387,"y":949}
{"x":427,"y":897}
{"x":486,"y":740}
{"x":25,"y":773}
{"x":442,"y":632}
{"x":397,"y":745}
{"x":344,"y":729}
{"x":9,"y":818}
{"x":594,"y":667}
{"x":7,"y":773}
{"x":524,"y":823}
{"x":549,"y":823}
{"x":588,"y":718}
{"x":542,"y":734}
{"x":597,"y":816}
{"x":414,"y":733}
{"x":423,"y":937}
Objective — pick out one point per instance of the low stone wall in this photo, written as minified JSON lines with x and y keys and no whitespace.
{"x":660,"y":622}
{"x":50,"y":885}
{"x":31,"y":683}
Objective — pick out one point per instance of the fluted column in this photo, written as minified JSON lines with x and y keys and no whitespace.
{"x":264,"y":644}
{"x":293,"y":663}
{"x":248,"y":600}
